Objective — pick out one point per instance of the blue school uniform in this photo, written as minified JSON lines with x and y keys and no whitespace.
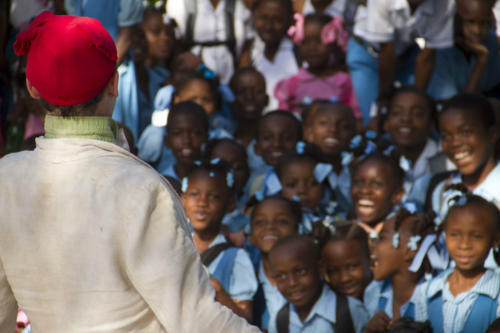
{"x":470,"y":311}
{"x":132,"y":108}
{"x":322,"y":315}
{"x":269,"y":297}
{"x":112,"y":14}
{"x":234,"y":270}
{"x":453,"y":70}
{"x":379,"y":296}
{"x":255,"y":162}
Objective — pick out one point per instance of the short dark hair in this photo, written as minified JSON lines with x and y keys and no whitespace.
{"x":472,"y":102}
{"x":191,"y":108}
{"x":282,"y":113}
{"x":86,"y":108}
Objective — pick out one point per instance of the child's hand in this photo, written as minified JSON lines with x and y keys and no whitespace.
{"x":216,"y":284}
{"x":379,"y":323}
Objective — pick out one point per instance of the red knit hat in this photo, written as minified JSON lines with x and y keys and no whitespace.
{"x":70,"y":59}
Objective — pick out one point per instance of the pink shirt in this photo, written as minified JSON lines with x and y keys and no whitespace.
{"x":293,"y":90}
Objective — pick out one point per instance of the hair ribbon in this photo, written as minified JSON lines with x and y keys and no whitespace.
{"x":297,"y":31}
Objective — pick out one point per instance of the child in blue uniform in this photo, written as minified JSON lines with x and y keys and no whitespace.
{"x":272,"y":219}
{"x":390,"y":296}
{"x":345,"y":258}
{"x":312,"y":306}
{"x":464,"y":298}
{"x":207,"y":195}
{"x":187,"y":133}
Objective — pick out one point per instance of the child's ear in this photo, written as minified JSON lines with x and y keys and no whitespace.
{"x":397,"y":196}
{"x":322,"y":271}
{"x":231,"y":205}
{"x":32,"y":90}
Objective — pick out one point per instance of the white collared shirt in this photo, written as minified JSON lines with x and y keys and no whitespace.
{"x":335,"y":8}
{"x":392,"y":21}
{"x":210,"y":25}
{"x":281,"y":67}
{"x":456,"y":309}
{"x":323,"y":314}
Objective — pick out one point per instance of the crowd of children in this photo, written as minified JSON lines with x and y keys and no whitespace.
{"x":337,"y":159}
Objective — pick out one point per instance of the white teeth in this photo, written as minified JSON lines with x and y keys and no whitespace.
{"x":186,"y":152}
{"x":460,"y":156}
{"x":364,"y":202}
{"x":276,"y":154}
{"x":270,"y":238}
{"x":331,"y":141}
{"x":405,"y":130}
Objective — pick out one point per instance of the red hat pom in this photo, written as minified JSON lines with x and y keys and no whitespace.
{"x":23,"y":41}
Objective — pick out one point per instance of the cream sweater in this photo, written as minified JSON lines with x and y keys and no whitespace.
{"x":94,"y":240}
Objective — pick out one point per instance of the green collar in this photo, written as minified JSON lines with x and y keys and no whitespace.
{"x":98,"y":128}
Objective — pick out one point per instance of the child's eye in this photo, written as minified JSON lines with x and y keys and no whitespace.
{"x":283,"y":222}
{"x":477,"y":236}
{"x":302,"y":271}
{"x":258,"y":222}
{"x":279,"y":277}
{"x":313,"y":182}
{"x":353,"y":267}
{"x":291,"y":184}
{"x":214,"y":197}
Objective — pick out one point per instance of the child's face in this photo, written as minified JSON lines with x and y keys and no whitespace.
{"x":297,"y":179}
{"x":270,"y":22}
{"x":374,"y":191}
{"x":198,"y":91}
{"x":272,"y":220}
{"x":186,"y":134}
{"x":409,"y":120}
{"x":233,"y":156}
{"x":250,"y":95}
{"x":159,"y":36}
{"x":297,"y":275}
{"x":470,"y":233}
{"x":345,"y":268}
{"x":476,"y":18}
{"x":331,"y":129}
{"x":206,"y":201}
{"x":312,"y":49}
{"x":277,"y":136}
{"x":466,"y":141}
{"x":386,"y":260}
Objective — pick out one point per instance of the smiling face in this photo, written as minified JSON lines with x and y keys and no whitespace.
{"x":271,"y":221}
{"x":277,"y":135}
{"x":345,"y":267}
{"x":297,"y":179}
{"x":470,"y":232}
{"x":271,"y":21}
{"x":199,"y":92}
{"x":206,"y":201}
{"x":159,"y":36}
{"x":295,"y":270}
{"x":409,"y":120}
{"x":250,"y":95}
{"x":374,"y":191}
{"x":186,"y":134}
{"x":331,"y":129}
{"x":466,"y":142}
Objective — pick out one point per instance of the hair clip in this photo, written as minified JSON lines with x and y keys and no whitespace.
{"x":496,"y":249}
{"x":389,"y":150}
{"x":413,"y":242}
{"x":334,"y":32}
{"x":321,"y":171}
{"x":211,"y":174}
{"x":405,"y":164}
{"x":397,"y":84}
{"x":411,"y":207}
{"x":355,"y":142}
{"x":215,"y":161}
{"x":422,"y":252}
{"x":197,"y":163}
{"x":395,"y":240}
{"x":300,"y":147}
{"x":307,"y":100}
{"x":370,"y":148}
{"x":296,"y":198}
{"x":370,"y":134}
{"x":439,"y":107}
{"x":297,"y":31}
{"x":230,"y":179}
{"x":184,"y":184}
{"x":259,"y":195}
{"x":207,"y":72}
{"x":383,"y":110}
{"x":346,"y":158}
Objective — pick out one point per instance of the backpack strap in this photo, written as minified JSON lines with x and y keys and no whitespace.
{"x":482,"y":314}
{"x":435,"y":312}
{"x":230,"y":35}
{"x":259,"y":306}
{"x":211,"y":253}
{"x":224,"y":270}
{"x":343,"y":317}
{"x":433,"y":183}
{"x":283,"y":319}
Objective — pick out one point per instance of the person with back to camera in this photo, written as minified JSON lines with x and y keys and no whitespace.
{"x":100,"y":242}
